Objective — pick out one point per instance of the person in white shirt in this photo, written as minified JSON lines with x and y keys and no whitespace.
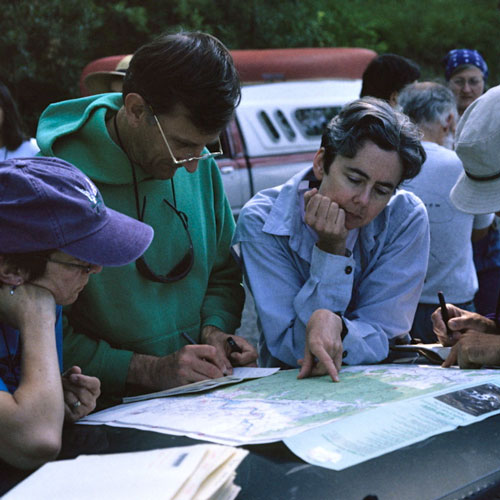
{"x":432,"y":108}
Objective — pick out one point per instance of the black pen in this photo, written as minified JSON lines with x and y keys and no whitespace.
{"x":233,"y":345}
{"x":444,"y":313}
{"x":188,"y":339}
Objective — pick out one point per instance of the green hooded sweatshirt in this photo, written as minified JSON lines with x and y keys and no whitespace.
{"x":121,"y":312}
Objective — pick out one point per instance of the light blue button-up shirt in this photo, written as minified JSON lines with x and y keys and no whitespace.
{"x":376,"y":289}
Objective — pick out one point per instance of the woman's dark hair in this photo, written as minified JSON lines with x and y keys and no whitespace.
{"x":192,"y":69}
{"x":370,"y":119}
{"x":31,"y":263}
{"x":11,"y":129}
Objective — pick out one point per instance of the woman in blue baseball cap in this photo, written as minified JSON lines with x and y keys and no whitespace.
{"x":55,"y":231}
{"x":466,"y":73}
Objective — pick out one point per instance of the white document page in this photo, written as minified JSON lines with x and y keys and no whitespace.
{"x":239,"y":374}
{"x":155,"y":474}
{"x":367,"y":435}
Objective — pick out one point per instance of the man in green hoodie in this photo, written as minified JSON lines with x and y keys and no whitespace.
{"x":133,"y":326}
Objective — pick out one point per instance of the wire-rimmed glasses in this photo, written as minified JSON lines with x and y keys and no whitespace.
{"x":205,"y":156}
{"x":84,"y":267}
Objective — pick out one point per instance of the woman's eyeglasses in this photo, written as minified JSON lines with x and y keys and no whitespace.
{"x":461,"y":82}
{"x":84,"y":267}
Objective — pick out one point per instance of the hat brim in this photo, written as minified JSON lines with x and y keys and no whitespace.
{"x":118,"y":242}
{"x":476,"y":197}
{"x":100,"y":81}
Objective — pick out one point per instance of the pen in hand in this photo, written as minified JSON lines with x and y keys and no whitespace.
{"x":444,"y":313}
{"x":191,"y":341}
{"x":233,"y":345}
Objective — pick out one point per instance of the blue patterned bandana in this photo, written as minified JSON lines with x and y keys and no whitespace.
{"x":459,"y":57}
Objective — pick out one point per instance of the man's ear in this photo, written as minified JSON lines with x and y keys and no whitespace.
{"x":9,"y":274}
{"x":393,"y":99}
{"x":450,"y":124}
{"x":135,"y":109}
{"x":318,"y":162}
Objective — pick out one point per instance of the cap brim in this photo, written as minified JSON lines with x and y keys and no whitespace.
{"x":100,"y":81}
{"x":120,"y":241}
{"x":475,"y":197}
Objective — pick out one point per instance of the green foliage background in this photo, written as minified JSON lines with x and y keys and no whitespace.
{"x":44,"y":44}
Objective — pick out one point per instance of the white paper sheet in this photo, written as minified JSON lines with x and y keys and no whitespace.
{"x":189,"y":472}
{"x":239,"y":374}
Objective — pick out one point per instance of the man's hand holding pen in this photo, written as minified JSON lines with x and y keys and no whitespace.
{"x":470,"y":335}
{"x":212,"y":358}
{"x":235,"y":349}
{"x":460,"y":321}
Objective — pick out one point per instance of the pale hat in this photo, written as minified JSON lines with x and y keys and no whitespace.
{"x":99,"y":82}
{"x":477,"y":191}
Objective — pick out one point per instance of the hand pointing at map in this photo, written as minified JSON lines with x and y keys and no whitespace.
{"x":323,"y":351}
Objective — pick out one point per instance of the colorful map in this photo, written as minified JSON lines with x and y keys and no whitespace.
{"x":275,"y":407}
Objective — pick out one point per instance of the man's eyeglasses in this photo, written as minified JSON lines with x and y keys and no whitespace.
{"x":185,"y":265}
{"x":205,"y":156}
{"x":84,"y":267}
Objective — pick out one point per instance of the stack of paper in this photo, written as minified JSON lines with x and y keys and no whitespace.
{"x":199,"y":472}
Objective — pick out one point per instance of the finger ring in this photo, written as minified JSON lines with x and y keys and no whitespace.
{"x":76,"y":404}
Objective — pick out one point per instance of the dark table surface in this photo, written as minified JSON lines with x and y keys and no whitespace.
{"x":462,"y":464}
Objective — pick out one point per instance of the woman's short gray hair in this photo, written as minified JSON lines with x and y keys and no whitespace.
{"x":370,"y":119}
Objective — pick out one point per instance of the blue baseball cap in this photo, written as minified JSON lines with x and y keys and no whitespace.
{"x":47,"y":203}
{"x":459,"y":57}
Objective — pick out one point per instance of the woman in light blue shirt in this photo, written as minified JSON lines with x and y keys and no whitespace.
{"x":336,"y":257}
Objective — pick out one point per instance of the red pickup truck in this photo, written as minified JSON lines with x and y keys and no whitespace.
{"x":288,"y":95}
